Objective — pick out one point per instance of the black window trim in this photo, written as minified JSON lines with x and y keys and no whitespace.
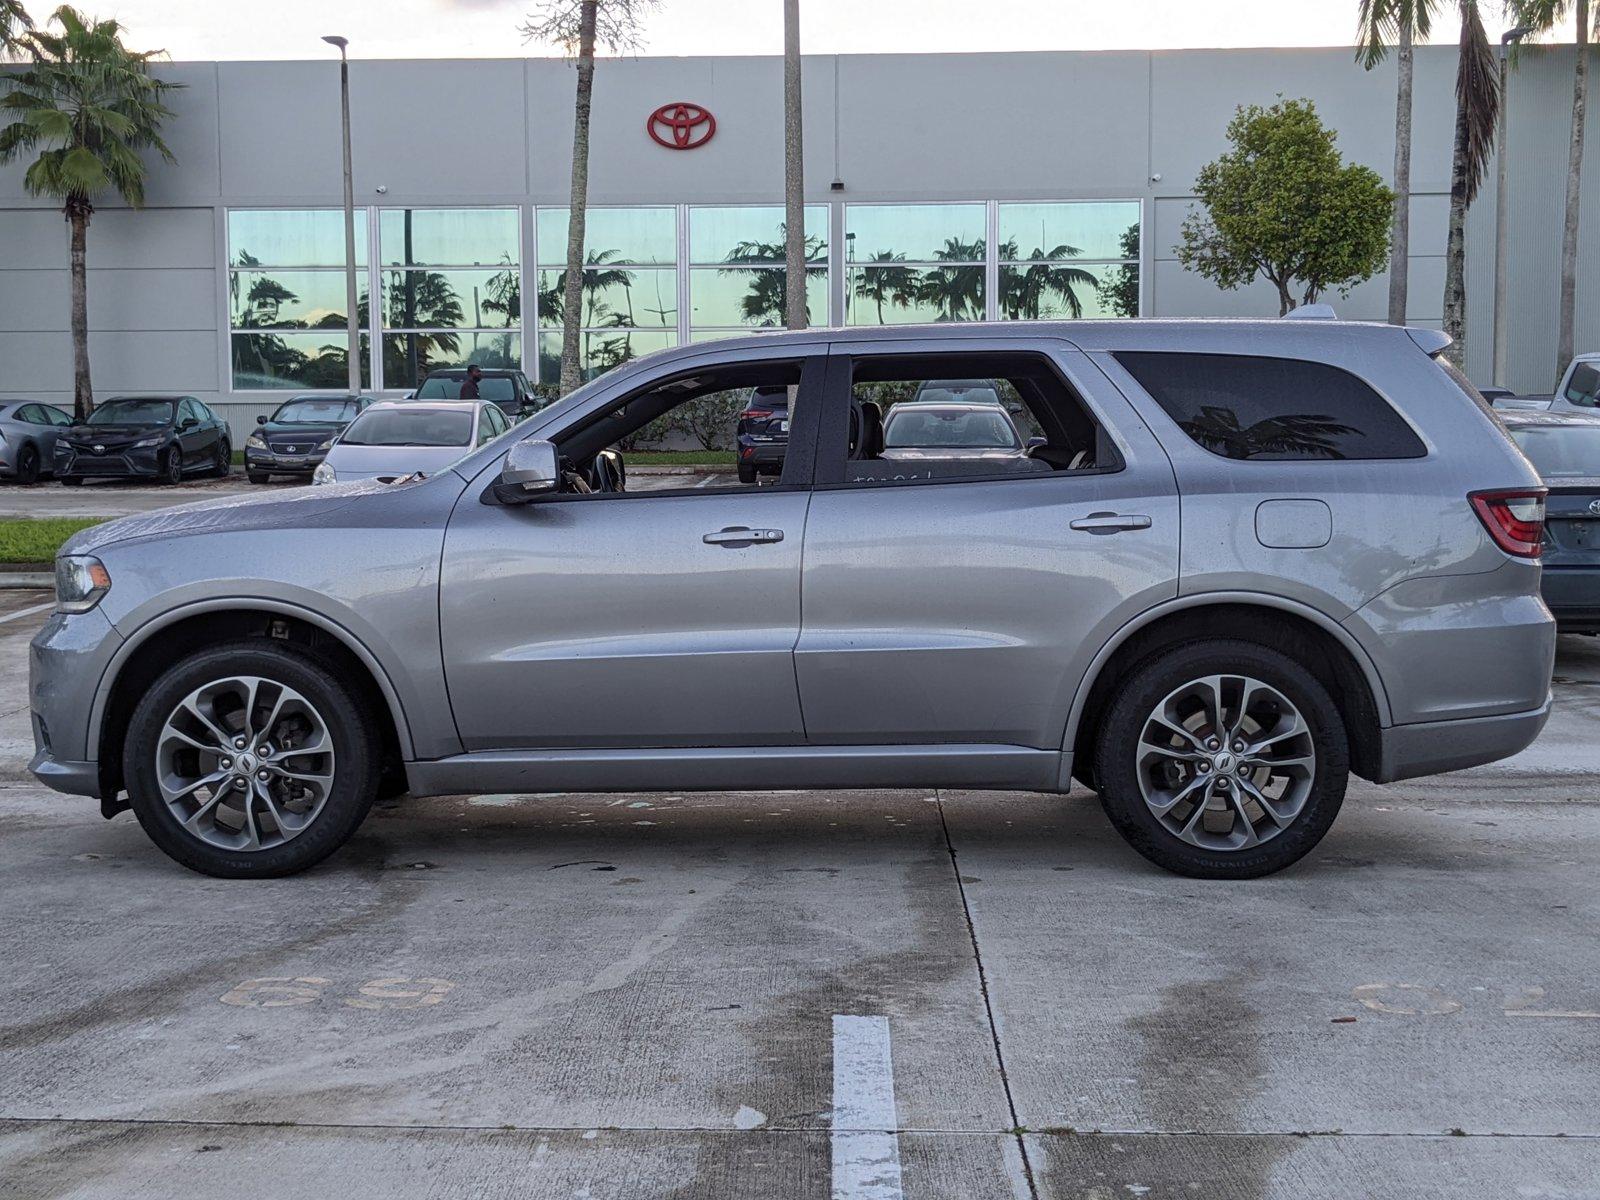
{"x":838,"y":388}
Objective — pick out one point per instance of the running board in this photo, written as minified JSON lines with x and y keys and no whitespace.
{"x":742,"y":769}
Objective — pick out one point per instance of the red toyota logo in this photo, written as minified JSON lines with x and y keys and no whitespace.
{"x":681,"y":126}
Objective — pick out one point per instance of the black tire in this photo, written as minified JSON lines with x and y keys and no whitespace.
{"x":747,"y":473}
{"x":258,"y":477}
{"x":224,"y":463}
{"x":72,"y":481}
{"x":172,"y":466}
{"x":1146,"y":686}
{"x":28,"y":464}
{"x":357,"y":749}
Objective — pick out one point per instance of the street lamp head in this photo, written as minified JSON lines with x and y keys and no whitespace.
{"x":333,"y":39}
{"x":1515,"y":34}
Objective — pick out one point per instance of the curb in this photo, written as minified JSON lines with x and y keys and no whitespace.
{"x":683,"y":469}
{"x":29,"y":580}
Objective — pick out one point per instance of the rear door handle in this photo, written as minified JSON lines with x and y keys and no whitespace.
{"x":1109,"y":522}
{"x":739,"y":535}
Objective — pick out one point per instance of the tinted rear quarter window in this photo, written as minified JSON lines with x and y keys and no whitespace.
{"x":1272,"y":409}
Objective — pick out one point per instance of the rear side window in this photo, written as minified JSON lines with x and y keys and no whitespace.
{"x":1274,"y":409}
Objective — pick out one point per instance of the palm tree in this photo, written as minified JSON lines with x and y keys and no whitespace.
{"x":1403,"y":22}
{"x":1023,"y":289}
{"x":87,"y":105}
{"x":885,"y":283}
{"x":794,"y":188}
{"x":577,"y":26}
{"x":14,"y":26}
{"x":1543,"y":15}
{"x":956,"y":291}
{"x":1477,"y":108}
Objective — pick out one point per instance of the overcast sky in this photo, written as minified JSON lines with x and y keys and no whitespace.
{"x":208,"y":29}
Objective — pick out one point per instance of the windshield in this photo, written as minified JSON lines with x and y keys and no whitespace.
{"x":315,"y":412}
{"x":1583,"y":389}
{"x":1562,"y":451}
{"x":490,"y":387}
{"x":409,"y":427}
{"x":949,"y":427}
{"x":133,"y":412}
{"x":959,"y":391}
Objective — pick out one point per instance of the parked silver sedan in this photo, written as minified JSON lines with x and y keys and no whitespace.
{"x":394,"y":439}
{"x":1248,"y":559}
{"x":28,"y":432}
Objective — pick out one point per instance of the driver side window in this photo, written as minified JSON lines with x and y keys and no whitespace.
{"x":722,"y":428}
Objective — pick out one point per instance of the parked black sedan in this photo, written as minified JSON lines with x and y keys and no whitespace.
{"x":297,"y":437}
{"x":160,"y":437}
{"x":1565,"y":448}
{"x":508,"y":388}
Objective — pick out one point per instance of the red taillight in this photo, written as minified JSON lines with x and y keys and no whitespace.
{"x":755,"y":414}
{"x":1514,"y":519}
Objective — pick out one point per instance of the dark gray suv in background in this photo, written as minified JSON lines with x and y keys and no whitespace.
{"x":1238,"y":561}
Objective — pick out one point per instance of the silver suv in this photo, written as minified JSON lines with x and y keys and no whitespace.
{"x":1236,"y":562}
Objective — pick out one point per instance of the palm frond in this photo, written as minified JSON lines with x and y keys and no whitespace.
{"x":1379,"y":24}
{"x":1477,"y":97}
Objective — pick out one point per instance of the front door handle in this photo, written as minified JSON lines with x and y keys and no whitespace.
{"x":739,"y":535}
{"x":1110,"y":522}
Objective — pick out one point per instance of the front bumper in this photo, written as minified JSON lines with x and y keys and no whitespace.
{"x":1434,"y":747}
{"x":274,"y":463}
{"x":66,"y":661}
{"x":114,"y":464}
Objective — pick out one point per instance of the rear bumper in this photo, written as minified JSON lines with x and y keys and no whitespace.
{"x":1434,"y":747}
{"x":1573,"y":595}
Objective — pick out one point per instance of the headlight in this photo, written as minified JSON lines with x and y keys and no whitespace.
{"x":256,"y":442}
{"x":146,"y":443}
{"x":324,"y":474}
{"x":81,"y":580}
{"x":328,"y":445}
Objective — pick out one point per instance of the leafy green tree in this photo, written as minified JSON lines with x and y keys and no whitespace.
{"x":14,"y":26}
{"x":711,"y":420}
{"x":1284,"y":205}
{"x":1119,"y":289}
{"x":1403,"y":22}
{"x":87,"y":107}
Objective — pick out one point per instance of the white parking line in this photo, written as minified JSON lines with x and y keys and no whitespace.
{"x":866,"y":1150}
{"x":28,"y":612}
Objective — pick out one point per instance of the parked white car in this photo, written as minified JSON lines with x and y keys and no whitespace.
{"x":1579,"y":390}
{"x":398,"y":438}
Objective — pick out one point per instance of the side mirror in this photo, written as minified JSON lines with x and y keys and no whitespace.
{"x":188,"y":423}
{"x":1037,"y":441}
{"x":262,"y":419}
{"x":532,"y":468}
{"x":1014,"y":408}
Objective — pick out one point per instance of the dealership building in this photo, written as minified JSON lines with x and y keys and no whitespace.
{"x":939,"y":187}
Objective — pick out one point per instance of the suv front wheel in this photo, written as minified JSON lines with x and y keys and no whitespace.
{"x":250,"y":760}
{"x":1222,"y":760}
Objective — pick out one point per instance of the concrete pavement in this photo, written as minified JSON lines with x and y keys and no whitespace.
{"x":624,"y":996}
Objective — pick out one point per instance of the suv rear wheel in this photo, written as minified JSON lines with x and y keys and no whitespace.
{"x":250,"y":760}
{"x":1222,"y":760}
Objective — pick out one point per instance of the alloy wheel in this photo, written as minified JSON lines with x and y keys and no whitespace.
{"x":1225,"y":762}
{"x":245,"y":763}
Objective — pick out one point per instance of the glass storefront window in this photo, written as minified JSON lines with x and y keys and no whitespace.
{"x":1064,"y":291}
{"x":601,"y":349}
{"x":915,"y":233}
{"x":752,"y":234}
{"x":900,"y":295}
{"x":448,"y":237}
{"x":290,"y":299}
{"x":642,"y":236}
{"x":294,"y":360}
{"x":614,"y":297}
{"x":408,"y":357}
{"x":1090,"y":229}
{"x":422,"y":299}
{"x":1068,"y":260}
{"x":286,"y":237}
{"x":729,"y":297}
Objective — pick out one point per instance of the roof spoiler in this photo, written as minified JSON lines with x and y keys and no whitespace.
{"x":1432,"y":342}
{"x":1311,"y":312}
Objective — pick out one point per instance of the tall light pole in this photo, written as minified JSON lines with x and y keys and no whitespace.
{"x":1501,"y":216}
{"x":352,"y":320}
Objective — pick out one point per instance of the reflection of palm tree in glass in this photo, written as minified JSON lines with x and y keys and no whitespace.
{"x":1313,"y":434}
{"x":956,"y":292}
{"x":879,"y":284}
{"x":424,"y":299}
{"x":504,"y":293}
{"x":1119,"y":290}
{"x":765,"y":302}
{"x":1023,"y":289}
{"x":266,"y":299}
